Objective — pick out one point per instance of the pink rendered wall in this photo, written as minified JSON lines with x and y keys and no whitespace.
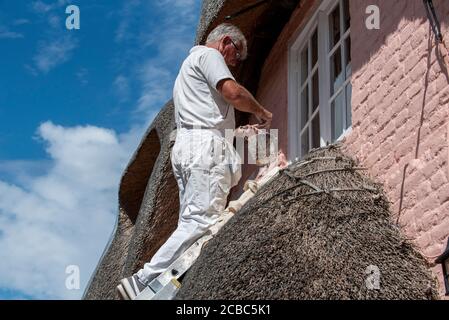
{"x":400,"y":109}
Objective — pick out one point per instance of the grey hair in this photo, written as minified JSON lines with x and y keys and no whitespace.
{"x":227,"y":29}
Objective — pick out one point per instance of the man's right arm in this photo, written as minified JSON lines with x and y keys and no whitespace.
{"x":243,"y":100}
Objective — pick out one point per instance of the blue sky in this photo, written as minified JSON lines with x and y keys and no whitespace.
{"x":73,"y":106}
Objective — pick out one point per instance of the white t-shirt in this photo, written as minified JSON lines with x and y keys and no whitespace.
{"x":197,"y":101}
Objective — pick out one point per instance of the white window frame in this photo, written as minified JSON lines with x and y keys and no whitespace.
{"x":319,"y":19}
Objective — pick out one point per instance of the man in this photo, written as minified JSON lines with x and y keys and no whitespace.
{"x":205,"y":164}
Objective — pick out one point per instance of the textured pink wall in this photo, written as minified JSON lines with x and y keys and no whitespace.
{"x":400,"y":110}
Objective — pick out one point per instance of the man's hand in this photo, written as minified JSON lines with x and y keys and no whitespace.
{"x":264,"y":120}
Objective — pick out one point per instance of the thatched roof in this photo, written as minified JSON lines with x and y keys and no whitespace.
{"x":209,"y":12}
{"x":299,"y":238}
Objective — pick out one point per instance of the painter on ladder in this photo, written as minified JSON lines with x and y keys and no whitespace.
{"x":205,"y":165}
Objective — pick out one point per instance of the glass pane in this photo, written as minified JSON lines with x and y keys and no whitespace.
{"x":305,"y":143}
{"x":348,"y":56}
{"x":314,"y":48}
{"x":337,"y":114}
{"x":337,"y":77}
{"x":334,"y":26}
{"x":347,"y":16}
{"x":348,"y":105}
{"x":304,"y":106}
{"x":316,"y":131}
{"x":304,"y":64}
{"x":315,"y":91}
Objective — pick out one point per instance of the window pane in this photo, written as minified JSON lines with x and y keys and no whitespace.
{"x":348,"y":105}
{"x":348,"y":56}
{"x":314,"y":48}
{"x":304,"y":106}
{"x":316,"y":131}
{"x":337,"y":114}
{"x":315,"y":91}
{"x":346,"y":17}
{"x":305,"y":143}
{"x":334,"y":26}
{"x":304,"y":64}
{"x":336,"y":71}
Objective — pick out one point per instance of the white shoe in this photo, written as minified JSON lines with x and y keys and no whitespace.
{"x":131,"y":287}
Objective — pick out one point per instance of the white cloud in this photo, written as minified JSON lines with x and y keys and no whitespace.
{"x":157,"y":86}
{"x":54,"y":21}
{"x":65,"y":216}
{"x":122,"y":89}
{"x":58,"y":46}
{"x":125,"y":15}
{"x":41,"y":7}
{"x":82,"y":75}
{"x":22,"y":171}
{"x":5,"y":33}
{"x":181,"y":4}
{"x":53,"y":53}
{"x":171,"y":38}
{"x":31,"y":70}
{"x":44,"y":7}
{"x":19,"y":22}
{"x":53,"y":12}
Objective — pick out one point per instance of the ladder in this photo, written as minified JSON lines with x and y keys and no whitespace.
{"x":166,"y":285}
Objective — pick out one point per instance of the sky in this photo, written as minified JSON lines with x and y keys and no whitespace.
{"x":74,"y":105}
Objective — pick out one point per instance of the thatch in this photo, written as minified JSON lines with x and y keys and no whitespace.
{"x":209,"y":12}
{"x":294,"y":242}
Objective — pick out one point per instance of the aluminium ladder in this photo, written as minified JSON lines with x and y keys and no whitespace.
{"x":166,"y":285}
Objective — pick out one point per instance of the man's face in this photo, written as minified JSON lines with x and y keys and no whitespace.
{"x":231,"y":51}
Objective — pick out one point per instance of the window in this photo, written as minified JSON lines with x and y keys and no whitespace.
{"x":320,"y":80}
{"x":309,"y":116}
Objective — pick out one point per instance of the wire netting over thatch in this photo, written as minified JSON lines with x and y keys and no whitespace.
{"x":314,"y":232}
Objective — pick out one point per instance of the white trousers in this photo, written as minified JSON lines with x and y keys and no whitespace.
{"x":205,"y":166}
